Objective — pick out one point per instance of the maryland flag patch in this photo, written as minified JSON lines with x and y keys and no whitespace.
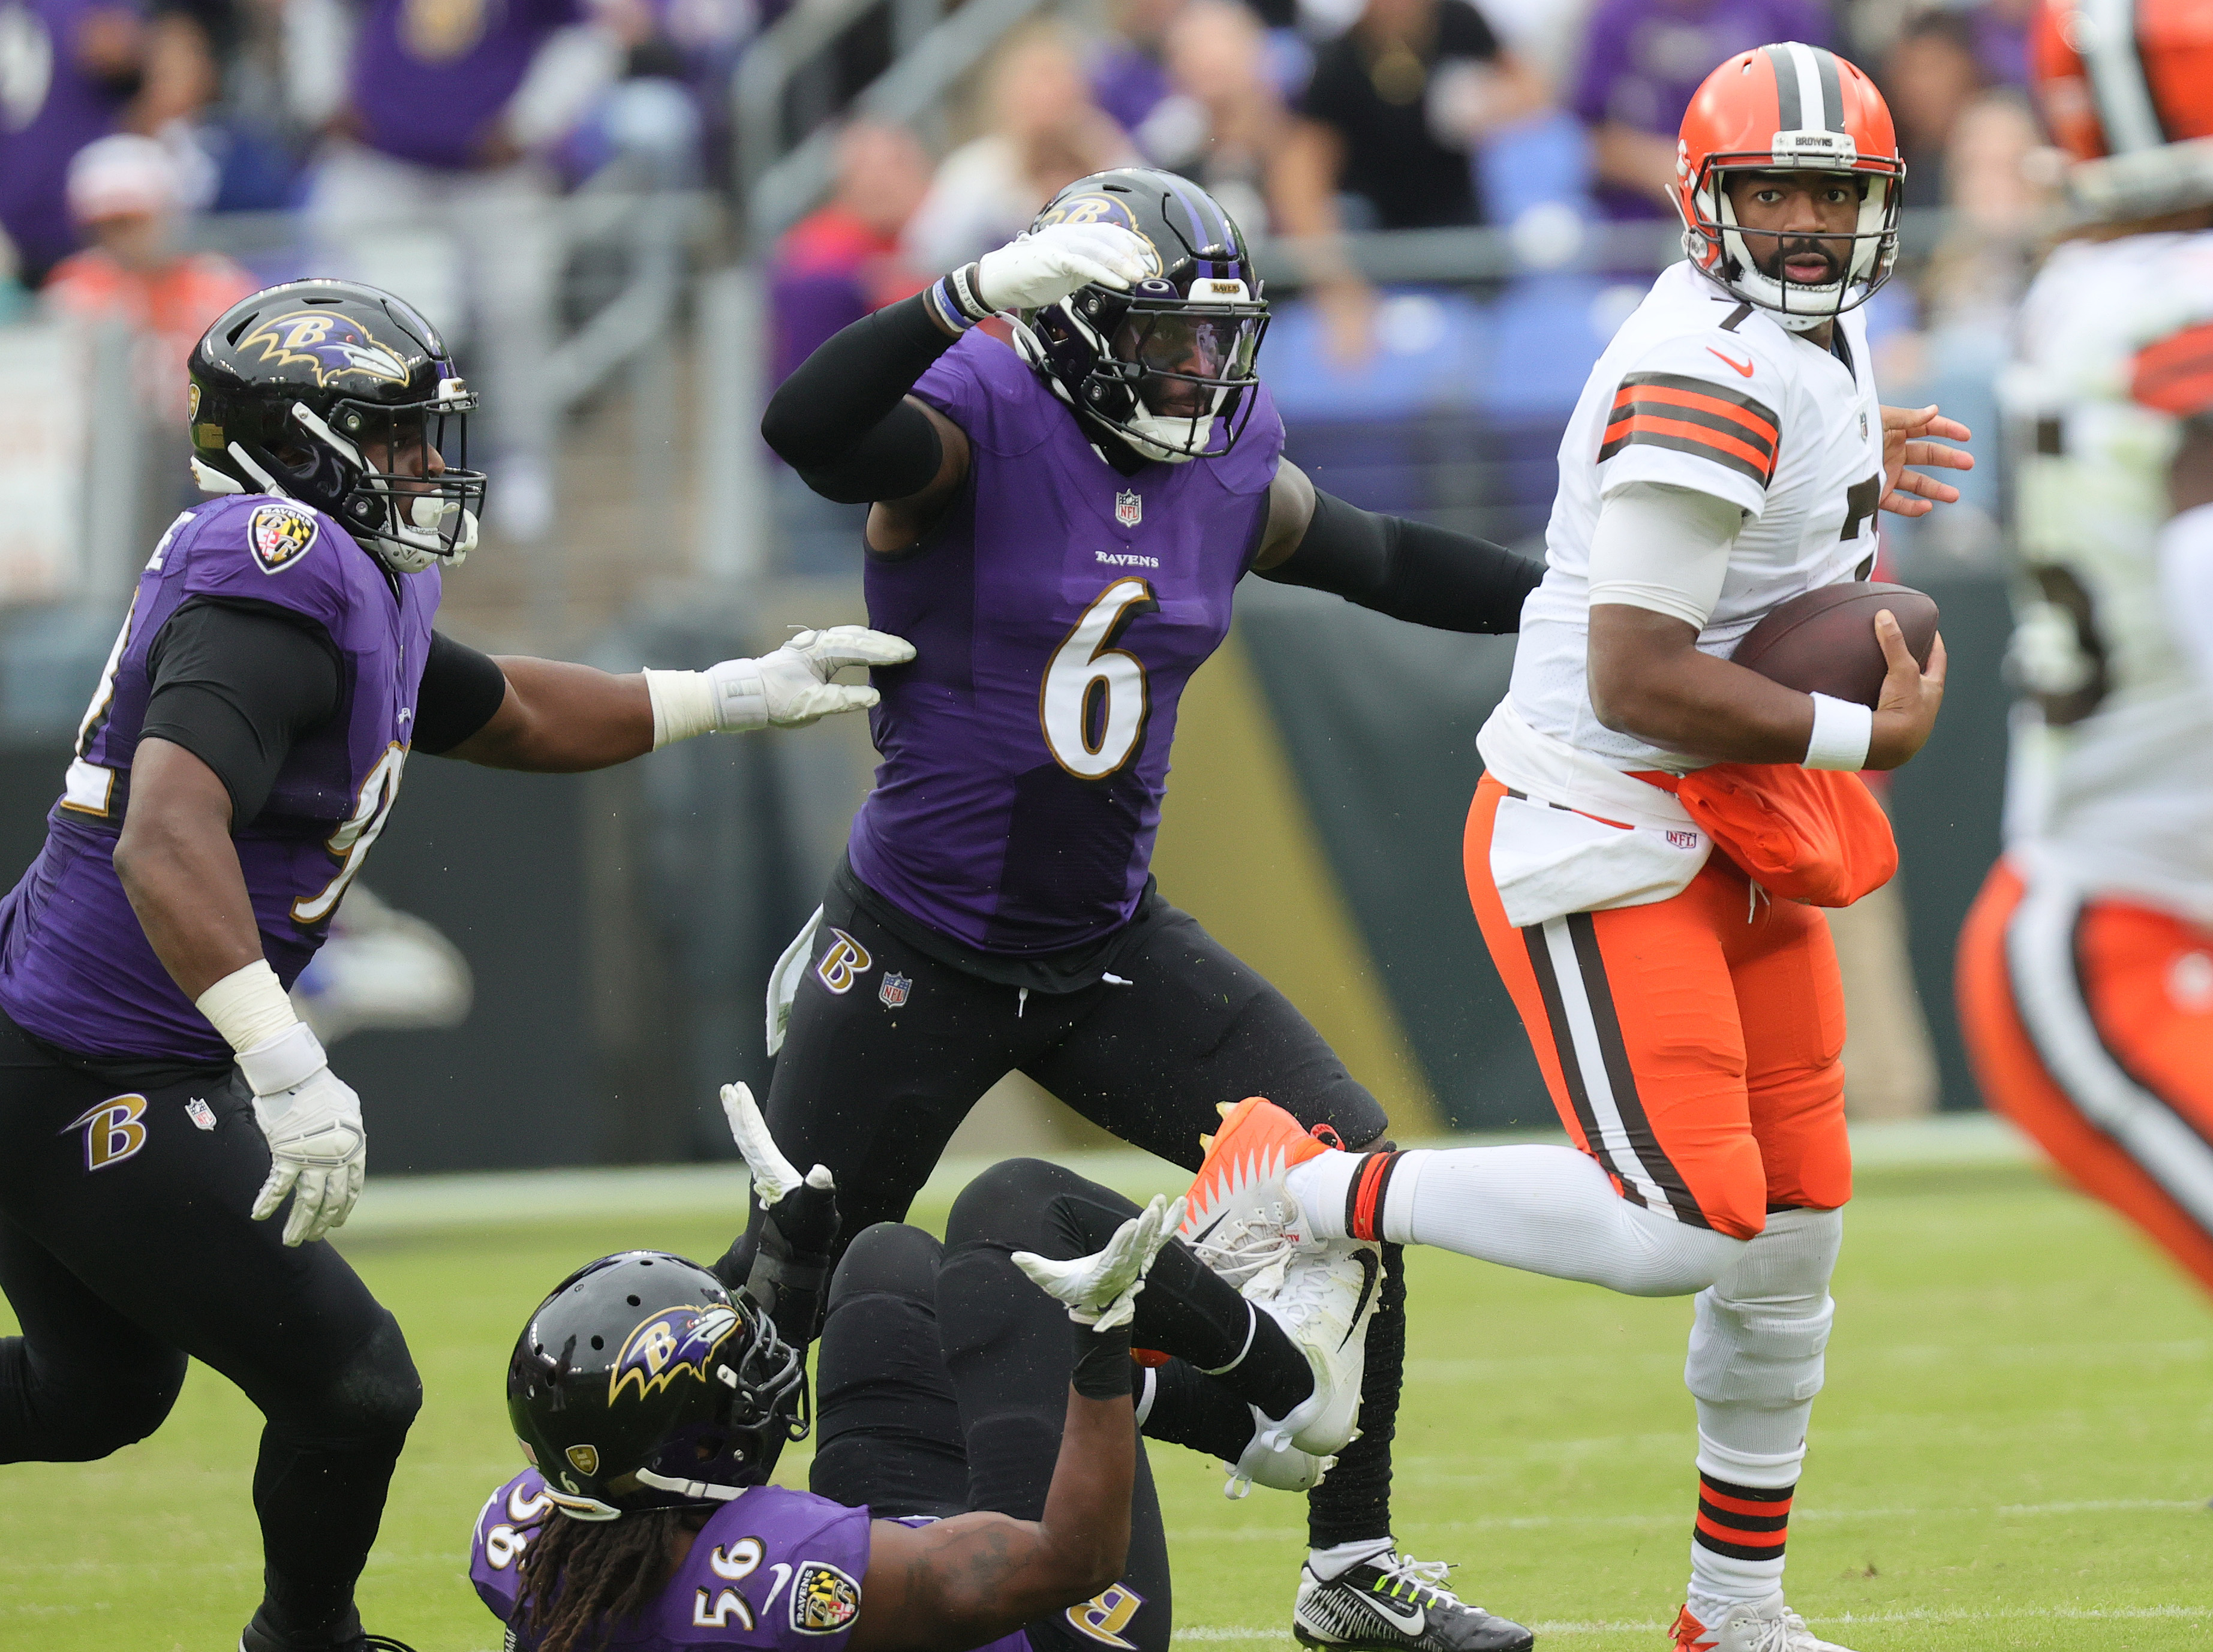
{"x":823,"y":1600}
{"x":279,"y":535}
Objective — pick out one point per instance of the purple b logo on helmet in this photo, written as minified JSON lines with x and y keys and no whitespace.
{"x":676,"y":1340}
{"x":334,"y":346}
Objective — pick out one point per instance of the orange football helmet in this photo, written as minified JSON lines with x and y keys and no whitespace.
{"x":2127,"y":87}
{"x":1789,"y":107}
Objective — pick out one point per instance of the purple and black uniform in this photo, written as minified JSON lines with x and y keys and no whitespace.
{"x":430,"y":83}
{"x":1057,"y":612}
{"x":76,"y":967}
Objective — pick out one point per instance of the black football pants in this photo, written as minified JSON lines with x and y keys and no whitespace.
{"x":875,"y":1090}
{"x":941,"y":1382}
{"x":126,"y":1247}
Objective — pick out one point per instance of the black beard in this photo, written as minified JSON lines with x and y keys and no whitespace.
{"x":1833,"y":268}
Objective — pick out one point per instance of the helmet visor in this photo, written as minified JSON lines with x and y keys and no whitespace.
{"x":1189,"y":357}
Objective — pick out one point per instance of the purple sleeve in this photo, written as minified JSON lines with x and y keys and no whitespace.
{"x":273,"y":550}
{"x":503,"y":1530}
{"x":990,"y":392}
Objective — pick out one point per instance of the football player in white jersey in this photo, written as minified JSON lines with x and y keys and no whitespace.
{"x":2086,"y":969}
{"x":1728,"y":453}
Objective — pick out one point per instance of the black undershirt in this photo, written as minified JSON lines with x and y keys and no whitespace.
{"x":238,"y":684}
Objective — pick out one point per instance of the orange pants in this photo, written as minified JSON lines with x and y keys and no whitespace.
{"x":1692,"y":1045}
{"x":2090,"y":1024}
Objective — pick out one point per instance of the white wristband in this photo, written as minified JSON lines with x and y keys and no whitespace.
{"x":683,"y":705}
{"x":292,"y":1058}
{"x":1843,"y":730}
{"x":249,"y":1006}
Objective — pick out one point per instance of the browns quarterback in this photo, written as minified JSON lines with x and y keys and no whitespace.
{"x":2086,"y":968}
{"x":160,"y":1100}
{"x":980,"y":1481}
{"x":1060,"y":528}
{"x":1728,"y":454}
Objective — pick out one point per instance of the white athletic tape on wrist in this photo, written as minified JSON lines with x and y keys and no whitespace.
{"x":1843,"y":731}
{"x":249,"y":1007}
{"x":292,"y":1058}
{"x":683,"y":705}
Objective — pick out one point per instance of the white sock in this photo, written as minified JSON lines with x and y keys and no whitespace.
{"x":1543,"y":1209}
{"x":1335,"y":1562}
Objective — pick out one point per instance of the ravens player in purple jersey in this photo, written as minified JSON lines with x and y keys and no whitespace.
{"x":1060,"y":528}
{"x":980,"y":1481}
{"x":159,"y":1099}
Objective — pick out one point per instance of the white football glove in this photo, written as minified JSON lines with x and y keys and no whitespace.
{"x":313,"y":1120}
{"x":1045,"y":265}
{"x":1102,"y":1289}
{"x":786,"y":689}
{"x":774,"y":1175}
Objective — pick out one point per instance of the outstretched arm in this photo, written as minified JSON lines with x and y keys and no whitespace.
{"x":556,"y":717}
{"x":1408,"y":570}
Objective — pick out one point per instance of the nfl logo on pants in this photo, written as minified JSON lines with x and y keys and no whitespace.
{"x":1129,"y":509}
{"x":894,"y":991}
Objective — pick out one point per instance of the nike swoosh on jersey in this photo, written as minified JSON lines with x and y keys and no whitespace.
{"x":1370,"y":1269}
{"x":1744,"y":367}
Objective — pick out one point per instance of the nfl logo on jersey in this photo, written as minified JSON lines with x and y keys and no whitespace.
{"x":1129,"y":509}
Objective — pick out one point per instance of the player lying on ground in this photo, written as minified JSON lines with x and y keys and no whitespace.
{"x":961,"y":1495}
{"x":1728,"y":453}
{"x":242,"y":753}
{"x":1061,"y":529}
{"x":2086,"y":969}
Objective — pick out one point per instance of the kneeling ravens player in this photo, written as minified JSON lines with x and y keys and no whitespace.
{"x":980,"y":1482}
{"x":1061,"y":528}
{"x":159,"y":1100}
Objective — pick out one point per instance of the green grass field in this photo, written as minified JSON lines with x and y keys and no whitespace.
{"x":2015,"y":1448}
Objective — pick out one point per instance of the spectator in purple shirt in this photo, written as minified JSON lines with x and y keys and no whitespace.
{"x":435,"y":184}
{"x":1645,"y":60}
{"x":72,"y":71}
{"x":1129,"y":75}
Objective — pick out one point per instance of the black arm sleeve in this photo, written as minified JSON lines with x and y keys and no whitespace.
{"x":236,"y":684}
{"x":842,"y":420}
{"x":461,"y":689}
{"x":1409,"y":570}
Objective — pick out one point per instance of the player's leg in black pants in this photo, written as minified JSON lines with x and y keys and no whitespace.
{"x":124,"y":1246}
{"x":1151,"y":1061}
{"x":942,"y":1376}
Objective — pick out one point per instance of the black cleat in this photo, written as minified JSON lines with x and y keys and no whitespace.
{"x":1393,"y":1604}
{"x":260,"y":1637}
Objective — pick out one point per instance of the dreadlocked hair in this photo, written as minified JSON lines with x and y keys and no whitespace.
{"x":581,"y":1578}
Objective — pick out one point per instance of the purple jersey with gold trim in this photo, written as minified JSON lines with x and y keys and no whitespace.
{"x":1057,"y":612}
{"x":773,"y":1568}
{"x":76,"y":968}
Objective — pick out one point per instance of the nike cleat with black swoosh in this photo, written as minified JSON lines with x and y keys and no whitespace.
{"x":1395,"y":1603}
{"x":1324,"y":1300}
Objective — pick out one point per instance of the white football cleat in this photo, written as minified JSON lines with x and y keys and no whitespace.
{"x":1273,"y":1461}
{"x":1239,"y":1216}
{"x":1325,"y":1301}
{"x":1750,"y":1627}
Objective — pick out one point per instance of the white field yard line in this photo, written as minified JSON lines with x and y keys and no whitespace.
{"x":393,"y":1205}
{"x":1676,"y":1517}
{"x":2070,"y":1614}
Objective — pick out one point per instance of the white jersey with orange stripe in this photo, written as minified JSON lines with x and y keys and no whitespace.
{"x":1700,"y":391}
{"x":2113,"y":762}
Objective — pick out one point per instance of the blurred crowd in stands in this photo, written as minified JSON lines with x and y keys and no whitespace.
{"x":423,"y":144}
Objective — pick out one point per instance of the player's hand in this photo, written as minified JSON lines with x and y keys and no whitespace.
{"x":803,"y":1208}
{"x":1045,"y":265}
{"x":1906,"y":440}
{"x":1100,"y":1290}
{"x":791,"y":687}
{"x":1906,"y":712}
{"x":320,"y":1153}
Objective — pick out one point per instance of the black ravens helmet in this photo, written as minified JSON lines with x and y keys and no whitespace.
{"x":342,"y":397}
{"x":1167,"y":365}
{"x":642,"y":1383}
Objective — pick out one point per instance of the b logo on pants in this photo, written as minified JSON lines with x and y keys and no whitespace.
{"x":846,"y":961}
{"x":111,"y":1131}
{"x":1104,"y":1615}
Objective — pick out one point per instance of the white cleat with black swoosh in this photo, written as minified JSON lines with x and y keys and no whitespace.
{"x":1394,"y":1603}
{"x":1324,"y":1299}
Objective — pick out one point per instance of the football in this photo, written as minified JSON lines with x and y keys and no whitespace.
{"x":1823,"y":643}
